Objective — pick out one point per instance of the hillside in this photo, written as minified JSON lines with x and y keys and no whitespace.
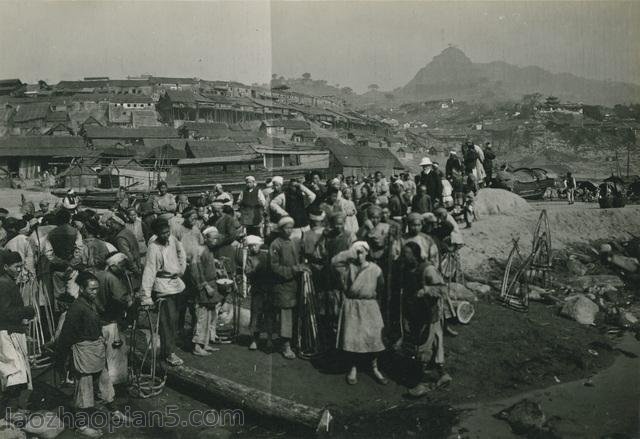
{"x":453,"y":74}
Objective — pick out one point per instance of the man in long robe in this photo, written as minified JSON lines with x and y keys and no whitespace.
{"x":334,"y":240}
{"x":192,"y":240}
{"x":81,"y":338}
{"x":360,"y":323}
{"x":114,"y":297}
{"x":15,"y":373}
{"x":204,"y":271}
{"x":285,"y":263}
{"x":424,"y":291}
{"x":260,"y":280}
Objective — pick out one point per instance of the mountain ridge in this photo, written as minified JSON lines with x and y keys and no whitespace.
{"x":451,"y":74}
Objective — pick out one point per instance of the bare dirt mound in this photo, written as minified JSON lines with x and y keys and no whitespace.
{"x":499,"y":201}
{"x":492,"y":237}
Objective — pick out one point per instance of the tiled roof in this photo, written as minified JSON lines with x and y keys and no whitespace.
{"x":364,"y":156}
{"x":289,"y":124}
{"x":31,"y":112}
{"x":42,"y":146}
{"x":96,"y":132}
{"x":216,"y":148}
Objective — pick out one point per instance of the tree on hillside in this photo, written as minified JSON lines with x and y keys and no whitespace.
{"x":306,"y":76}
{"x":389,"y":96}
{"x":274,"y":76}
{"x":42,"y":85}
{"x":373,"y":87}
{"x":347,"y":90}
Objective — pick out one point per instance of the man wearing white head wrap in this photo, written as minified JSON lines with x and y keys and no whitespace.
{"x":203,"y":272}
{"x":252,"y":204}
{"x":221,"y":196}
{"x":260,"y":280}
{"x":360,"y":323}
{"x":114,"y":297}
{"x":285,"y":263}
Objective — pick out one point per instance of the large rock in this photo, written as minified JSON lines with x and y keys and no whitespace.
{"x":44,"y":424}
{"x":460,"y":292}
{"x":524,"y":417}
{"x":630,"y":265}
{"x":597,"y":280}
{"x":479,"y":288}
{"x":581,"y":309}
{"x":576,"y":267}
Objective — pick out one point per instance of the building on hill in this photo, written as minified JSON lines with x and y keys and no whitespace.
{"x":28,"y":116}
{"x":283,"y":127}
{"x":144,"y":118}
{"x":203,"y":131}
{"x":286,"y":158}
{"x":117,"y":86}
{"x":11,"y":87}
{"x":216,"y":148}
{"x":29,"y":156}
{"x":129,"y":135}
{"x":305,"y":136}
{"x":177,"y":107}
{"x":168,"y":83}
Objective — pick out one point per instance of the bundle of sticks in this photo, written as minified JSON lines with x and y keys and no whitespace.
{"x":41,"y":330}
{"x":307,"y":340}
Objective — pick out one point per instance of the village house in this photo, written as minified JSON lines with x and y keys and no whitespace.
{"x":167,"y":83}
{"x":29,"y":156}
{"x":351,"y":160}
{"x":283,"y":127}
{"x":133,"y":136}
{"x":305,"y":136}
{"x":30,"y":116}
{"x":10,"y":86}
{"x":288,"y":158}
{"x":78,"y":176}
{"x":130,"y":173}
{"x":105,"y":85}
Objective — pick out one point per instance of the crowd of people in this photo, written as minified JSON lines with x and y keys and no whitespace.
{"x":368,"y":249}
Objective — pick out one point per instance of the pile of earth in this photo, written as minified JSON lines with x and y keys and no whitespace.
{"x":508,"y":217}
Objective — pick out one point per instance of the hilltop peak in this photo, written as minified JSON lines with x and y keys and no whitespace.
{"x":452,"y":56}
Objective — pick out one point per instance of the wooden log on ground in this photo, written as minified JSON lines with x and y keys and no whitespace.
{"x":257,"y":401}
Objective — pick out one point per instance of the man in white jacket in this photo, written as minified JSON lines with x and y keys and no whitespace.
{"x":161,"y":281}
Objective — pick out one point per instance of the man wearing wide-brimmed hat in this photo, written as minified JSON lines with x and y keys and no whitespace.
{"x":431,"y":179}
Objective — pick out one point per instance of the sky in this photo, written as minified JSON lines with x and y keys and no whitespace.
{"x":351,"y":43}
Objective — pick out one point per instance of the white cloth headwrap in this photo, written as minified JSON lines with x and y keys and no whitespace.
{"x":253,"y":240}
{"x":210,"y":231}
{"x":116,"y":259}
{"x":359,"y":246}
{"x":277,"y":179}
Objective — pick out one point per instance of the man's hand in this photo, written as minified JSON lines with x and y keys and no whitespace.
{"x":146,"y":302}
